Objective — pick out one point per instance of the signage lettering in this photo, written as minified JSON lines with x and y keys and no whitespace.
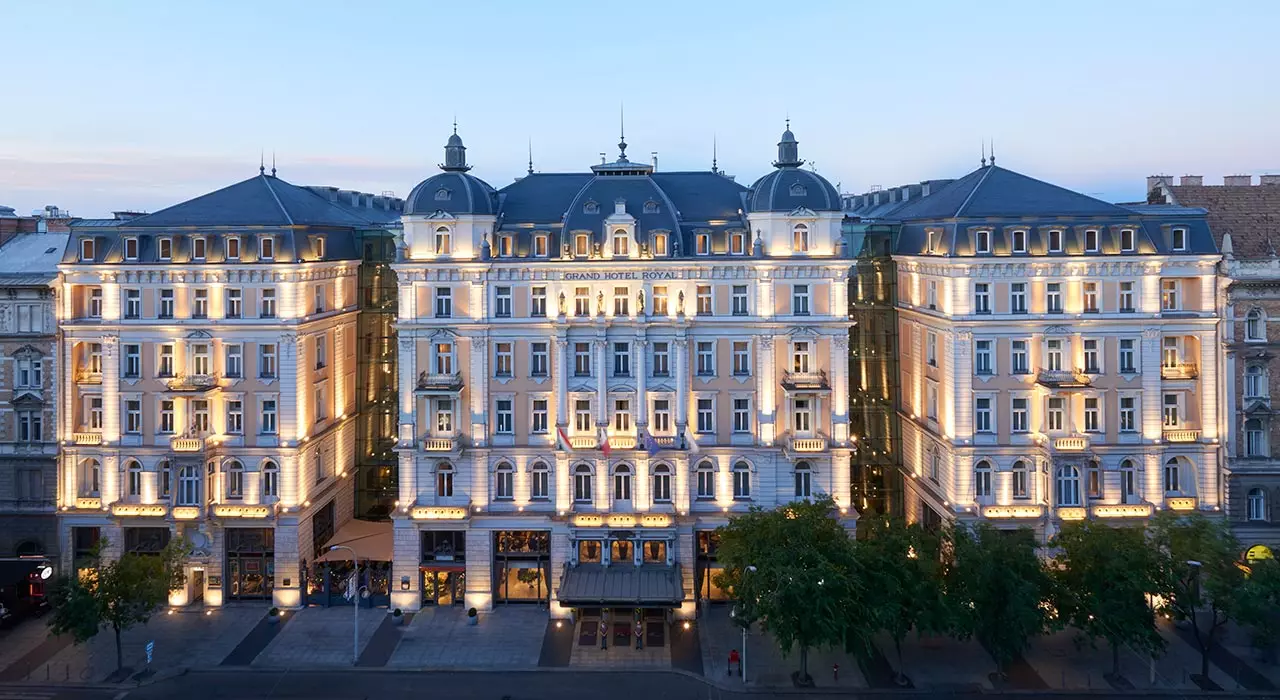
{"x":644,"y":275}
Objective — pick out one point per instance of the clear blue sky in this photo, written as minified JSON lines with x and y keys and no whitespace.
{"x":143,"y":104}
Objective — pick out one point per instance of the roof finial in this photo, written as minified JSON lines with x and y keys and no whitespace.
{"x":455,"y":123}
{"x":273,"y":164}
{"x":788,"y":121}
{"x":530,"y":156}
{"x":622,"y":132}
{"x":262,"y":161}
{"x":993,"y":151}
{"x":984,"y":153}
{"x":714,"y":154}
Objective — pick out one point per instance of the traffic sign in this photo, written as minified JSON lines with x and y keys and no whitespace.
{"x":151,"y":647}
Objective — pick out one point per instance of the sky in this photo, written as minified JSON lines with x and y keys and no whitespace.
{"x":139,"y":105}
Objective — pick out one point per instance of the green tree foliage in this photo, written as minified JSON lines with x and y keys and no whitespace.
{"x":999,"y":588}
{"x":1202,"y":581}
{"x":1104,"y":578}
{"x":1258,"y":606}
{"x":116,"y":594}
{"x":793,"y":570}
{"x":906,"y":572}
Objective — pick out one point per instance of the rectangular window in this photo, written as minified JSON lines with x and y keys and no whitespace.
{"x":931,"y":401}
{"x":660,"y":244}
{"x":267,"y":360}
{"x":704,"y":300}
{"x":505,"y":415}
{"x":1019,"y":357}
{"x":164,"y":368}
{"x":322,"y":404}
{"x":982,"y":298}
{"x":1171,"y":352}
{"x":444,"y":417}
{"x":444,"y":302}
{"x":661,"y":358}
{"x":502,"y":359}
{"x":164,"y":248}
{"x":1091,"y":297}
{"x":444,"y":358}
{"x":200,"y":304}
{"x":538,"y":359}
{"x":1126,"y":296}
{"x":622,"y":359}
{"x":1018,"y":297}
{"x":1018,"y":416}
{"x":706,"y":416}
{"x":1179,"y":236}
{"x":130,"y":249}
{"x":1127,"y":237}
{"x":659,"y":300}
{"x":506,"y":246}
{"x":235,"y":303}
{"x":538,"y":302}
{"x":166,"y":416}
{"x":622,"y":415}
{"x":1092,"y":415}
{"x":235,"y":417}
{"x":133,"y":303}
{"x":1053,"y":297}
{"x":1172,"y":417}
{"x":1055,"y":240}
{"x":198,"y":248}
{"x":1128,"y":414}
{"x":1019,"y":240}
{"x":31,"y":374}
{"x":582,"y":245}
{"x":661,"y":416}
{"x":581,"y":301}
{"x":1091,"y":356}
{"x":1057,"y":414}
{"x":200,"y":415}
{"x":1170,"y":297}
{"x":233,"y":248}
{"x":266,"y":248}
{"x":582,"y":359}
{"x":1019,"y":481}
{"x":95,"y":302}
{"x":706,"y":483}
{"x":800,"y":300}
{"x":268,"y":423}
{"x":133,"y":416}
{"x":982,"y":422}
{"x":706,"y":359}
{"x":982,"y":241}
{"x":931,"y":349}
{"x":319,"y":294}
{"x":268,"y":309}
{"x":982,"y":357}
{"x":931,"y":294}
{"x":322,"y":351}
{"x":741,"y":358}
{"x":800,"y":357}
{"x":166,"y":304}
{"x":234,"y":364}
{"x":502,"y":302}
{"x":621,"y":301}
{"x":742,"y":415}
{"x":582,"y":415}
{"x":540,"y":246}
{"x":1053,"y":355}
{"x":739,"y":300}
{"x":539,"y":423}
{"x":737,"y":243}
{"x":703,"y":244}
{"x":132,"y":360}
{"x":1091,"y":240}
{"x":802,"y":416}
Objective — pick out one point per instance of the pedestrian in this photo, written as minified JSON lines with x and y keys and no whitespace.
{"x":734,"y":659}
{"x":639,"y":636}
{"x":604,"y":635}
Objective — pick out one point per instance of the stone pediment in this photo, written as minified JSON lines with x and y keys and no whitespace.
{"x":441,"y":215}
{"x":803,"y":213}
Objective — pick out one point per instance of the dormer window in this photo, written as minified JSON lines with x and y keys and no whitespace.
{"x":540,"y":245}
{"x":444,"y":241}
{"x":164,"y":248}
{"x":1019,"y":240}
{"x":1091,"y":240}
{"x":800,"y":238}
{"x":130,"y":249}
{"x":659,"y":244}
{"x":798,"y":190}
{"x":582,"y":245}
{"x":1127,"y":240}
{"x":443,"y":194}
{"x":738,"y":243}
{"x":88,"y":249}
{"x":1055,"y":240}
{"x":317,"y":245}
{"x":1179,"y":236}
{"x":506,"y":246}
{"x":621,"y":243}
{"x":651,"y":207}
{"x":703,"y":244}
{"x":982,"y":241}
{"x":233,"y":248}
{"x":935,"y":239}
{"x":198,"y":248}
{"x":266,"y":248}
{"x":590,"y":208}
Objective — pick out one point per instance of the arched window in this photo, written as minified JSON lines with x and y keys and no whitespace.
{"x":165,"y":472}
{"x":1128,"y":481}
{"x":1255,"y":385}
{"x":622,"y":483}
{"x":1254,"y":328}
{"x":90,"y":477}
{"x":1255,"y":438}
{"x":800,"y":238}
{"x":270,"y":480}
{"x":798,"y":190}
{"x":444,"y":480}
{"x":662,"y":484}
{"x":1020,"y":480}
{"x":741,"y":481}
{"x":29,"y":548}
{"x":804,"y":480}
{"x":1068,"y":486}
{"x":235,"y":479}
{"x":1257,"y":510}
{"x":444,"y":241}
{"x":1172,"y":477}
{"x":211,"y":478}
{"x":651,"y":207}
{"x":582,"y":484}
{"x":540,"y":482}
{"x":621,"y":242}
{"x":189,"y":486}
{"x":706,"y":481}
{"x":982,"y":480}
{"x":443,"y":194}
{"x":133,"y":470}
{"x":504,"y":482}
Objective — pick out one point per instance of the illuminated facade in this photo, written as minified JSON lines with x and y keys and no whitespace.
{"x":698,"y":327}
{"x":1059,"y":354}
{"x":207,"y":382}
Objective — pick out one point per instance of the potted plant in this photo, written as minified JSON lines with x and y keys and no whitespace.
{"x":273,"y":615}
{"x":472,"y":618}
{"x":397,"y":616}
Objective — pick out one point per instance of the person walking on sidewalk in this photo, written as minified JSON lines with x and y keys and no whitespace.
{"x":604,"y":635}
{"x":639,"y":636}
{"x":734,"y":660}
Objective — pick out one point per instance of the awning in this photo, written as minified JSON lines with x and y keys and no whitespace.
{"x":621,"y":585}
{"x":371,"y":542}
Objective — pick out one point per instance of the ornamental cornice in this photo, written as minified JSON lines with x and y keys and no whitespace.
{"x":1048,"y":267}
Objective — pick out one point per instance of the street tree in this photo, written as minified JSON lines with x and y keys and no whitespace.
{"x":1201,"y":579}
{"x":1259,"y":605}
{"x":1105,"y":577}
{"x":1000,"y":591}
{"x":793,"y":570}
{"x":906,"y":586}
{"x":116,"y":594}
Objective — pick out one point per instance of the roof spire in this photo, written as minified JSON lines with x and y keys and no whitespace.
{"x":530,"y":156}
{"x":993,"y":151}
{"x":273,"y":164}
{"x":455,"y":124}
{"x":714,"y":148}
{"x":622,"y":133}
{"x":262,"y":161}
{"x":788,"y":150}
{"x":984,"y":153}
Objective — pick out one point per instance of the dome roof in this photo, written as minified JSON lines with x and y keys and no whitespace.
{"x":787,"y":189}
{"x":454,"y":192}
{"x":454,"y":140}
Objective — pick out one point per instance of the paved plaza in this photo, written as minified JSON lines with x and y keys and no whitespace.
{"x":440,"y":638}
{"x":316,"y":637}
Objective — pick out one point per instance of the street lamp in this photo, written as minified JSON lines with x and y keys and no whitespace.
{"x":355,"y":601}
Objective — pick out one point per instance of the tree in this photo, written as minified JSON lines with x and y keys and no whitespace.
{"x":1258,"y":606}
{"x":999,"y":589}
{"x":793,"y":570}
{"x":1105,"y":577}
{"x":117,"y":594}
{"x":1201,"y":578}
{"x":906,"y":580}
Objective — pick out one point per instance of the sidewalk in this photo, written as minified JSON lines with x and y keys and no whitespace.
{"x":765,"y":665}
{"x":1065,"y":666}
{"x":319,"y":637}
{"x":439,"y":638}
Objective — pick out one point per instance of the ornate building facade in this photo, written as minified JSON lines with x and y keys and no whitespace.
{"x":207,"y":369}
{"x":596,"y":369}
{"x":1059,"y":354}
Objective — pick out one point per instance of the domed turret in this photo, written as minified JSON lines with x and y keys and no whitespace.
{"x":788,"y":187}
{"x":455,"y":154}
{"x":788,"y":150}
{"x":453,"y":191}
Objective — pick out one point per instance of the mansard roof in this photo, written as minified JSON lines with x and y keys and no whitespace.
{"x":262,"y":200}
{"x":994,"y":191}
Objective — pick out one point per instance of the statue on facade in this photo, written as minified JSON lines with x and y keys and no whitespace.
{"x":680,"y":303}
{"x":563,"y":304}
{"x":640,"y":302}
{"x":600,"y":303}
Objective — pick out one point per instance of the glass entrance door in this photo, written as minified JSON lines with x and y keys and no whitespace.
{"x":443,"y":587}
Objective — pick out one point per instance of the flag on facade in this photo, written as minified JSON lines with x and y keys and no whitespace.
{"x":650,"y":445}
{"x":563,"y":439}
{"x":605,"y":447}
{"x":690,"y":443}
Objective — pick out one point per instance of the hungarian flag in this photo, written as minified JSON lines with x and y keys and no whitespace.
{"x":563,"y":440}
{"x":605,"y":447}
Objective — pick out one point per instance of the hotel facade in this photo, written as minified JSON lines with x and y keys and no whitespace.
{"x":598,"y":369}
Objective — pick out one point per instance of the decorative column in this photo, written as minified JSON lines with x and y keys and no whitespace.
{"x":602,"y":383}
{"x":561,"y":345}
{"x":111,"y":389}
{"x":958,"y":347}
{"x":408,"y":370}
{"x":1152,"y":422}
{"x":1208,"y":388}
{"x":290,"y":414}
{"x":840,"y":388}
{"x":641,"y":365}
{"x":479,"y":382}
{"x":682,"y":386}
{"x":602,"y":485}
{"x":766,"y":392}
{"x":301,"y":371}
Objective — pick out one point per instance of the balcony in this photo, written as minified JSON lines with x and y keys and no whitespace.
{"x":192,"y":382}
{"x":1027,"y":511}
{"x":139,"y":510}
{"x":1122,"y":510}
{"x":1182,"y":503}
{"x":808,"y":444}
{"x":1181,"y":435}
{"x":1073,"y":443}
{"x":1181,"y":370}
{"x":186,"y":444}
{"x":438,"y":444}
{"x":440,"y":382}
{"x":583,"y":442}
{"x":1063,"y":378}
{"x":87,"y":439}
{"x":622,"y":442}
{"x":805,"y":381}
{"x":85,"y":376}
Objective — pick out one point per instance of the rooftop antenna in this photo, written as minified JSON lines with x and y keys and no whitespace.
{"x":714,"y":154}
{"x":622,"y":132}
{"x":262,"y":161}
{"x":530,"y":156}
{"x":273,"y":164}
{"x":455,"y":124}
{"x":984,"y":153}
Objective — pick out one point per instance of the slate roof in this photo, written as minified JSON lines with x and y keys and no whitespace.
{"x":263,"y":200}
{"x":995,"y":191}
{"x":787,"y":189}
{"x":28,"y":258}
{"x":1251,"y":214}
{"x":622,"y":585}
{"x":467,"y":194}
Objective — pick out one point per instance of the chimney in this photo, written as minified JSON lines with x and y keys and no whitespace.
{"x":1237,"y":180}
{"x":1269,"y":179}
{"x":1191,"y":180}
{"x":655,"y":159}
{"x":1154,"y":181}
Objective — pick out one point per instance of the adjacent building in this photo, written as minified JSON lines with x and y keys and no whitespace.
{"x":1058,"y":354}
{"x":1245,"y":218}
{"x":598,"y":368}
{"x":207,"y":382}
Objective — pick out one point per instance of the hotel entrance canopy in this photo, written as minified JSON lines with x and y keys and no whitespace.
{"x":589,"y":585}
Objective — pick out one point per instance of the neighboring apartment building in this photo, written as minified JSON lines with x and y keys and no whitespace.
{"x":28,"y":389}
{"x":1058,"y":353}
{"x":208,"y":370}
{"x":1246,"y":220}
{"x":597,"y":369}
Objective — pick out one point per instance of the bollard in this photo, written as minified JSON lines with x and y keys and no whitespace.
{"x":835,"y":672}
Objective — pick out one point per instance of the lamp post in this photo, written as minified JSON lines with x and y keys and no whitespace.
{"x":355,"y":601}
{"x":750,"y":569}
